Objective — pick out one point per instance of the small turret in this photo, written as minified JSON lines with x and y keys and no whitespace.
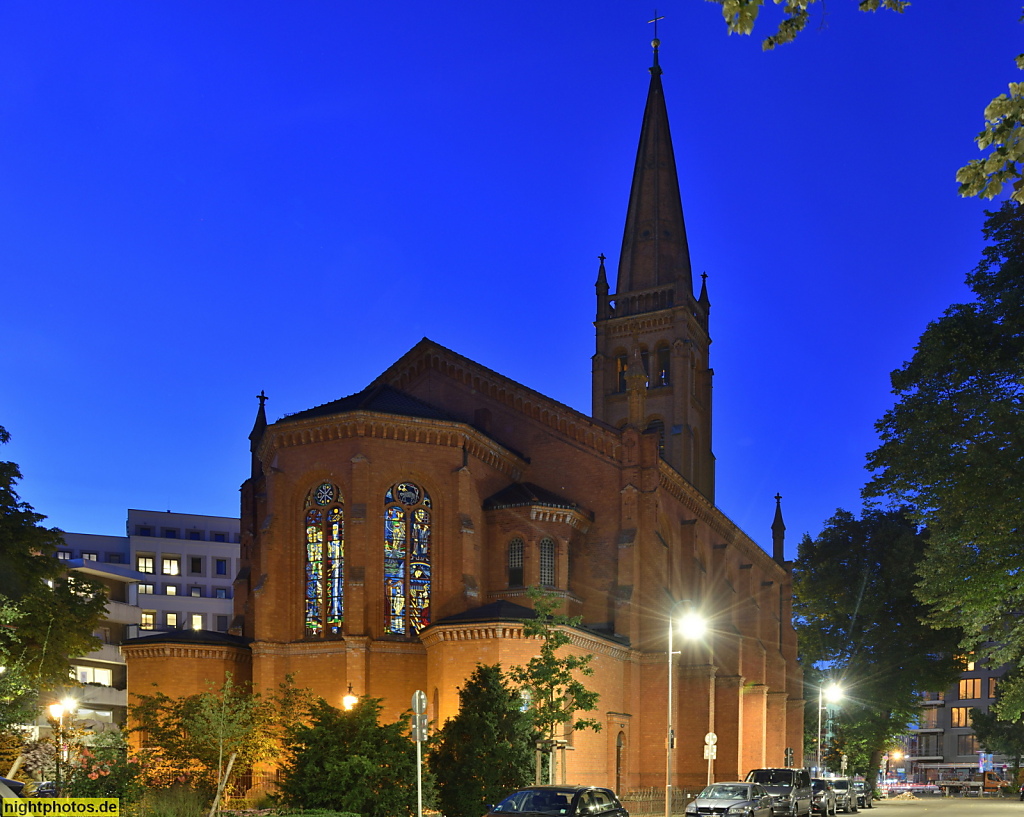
{"x":256,"y":435}
{"x":778,"y":533}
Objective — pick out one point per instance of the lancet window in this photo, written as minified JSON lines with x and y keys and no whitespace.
{"x":547,"y":563}
{"x":515,"y":563}
{"x":407,"y":569}
{"x":324,"y":516}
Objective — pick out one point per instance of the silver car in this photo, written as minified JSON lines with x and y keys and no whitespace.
{"x":846,"y":794}
{"x":736,"y":799}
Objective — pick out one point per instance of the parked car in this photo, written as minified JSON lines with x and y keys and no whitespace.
{"x":740,"y":798}
{"x":846,"y":795}
{"x":564,"y":801}
{"x":824,"y":801}
{"x":10,"y":788}
{"x":863,"y":794}
{"x":790,"y":789}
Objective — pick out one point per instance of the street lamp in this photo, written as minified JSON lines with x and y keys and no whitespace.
{"x":58,"y":710}
{"x":350,"y":699}
{"x":692,"y":625}
{"x":832,"y":693}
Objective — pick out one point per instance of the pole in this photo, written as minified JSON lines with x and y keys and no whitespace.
{"x":419,"y":778}
{"x":670,"y":737}
{"x":818,"y":767}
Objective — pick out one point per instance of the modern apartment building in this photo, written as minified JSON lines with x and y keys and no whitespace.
{"x":171,"y":571}
{"x":943,"y":736}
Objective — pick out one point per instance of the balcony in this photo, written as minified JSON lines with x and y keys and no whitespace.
{"x":120,"y":613}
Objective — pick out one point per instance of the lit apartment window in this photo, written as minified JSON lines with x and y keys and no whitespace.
{"x":145,"y":589}
{"x":144,"y":564}
{"x":171,"y":566}
{"x":170,"y":589}
{"x":960,"y":715}
{"x":94,"y":675}
{"x":221,"y":567}
{"x":970,"y":689}
{"x":195,"y":592}
{"x":102,"y":715}
{"x":90,"y":555}
{"x":171,"y":619}
{"x":63,"y":555}
{"x":148,"y":620}
{"x":197,"y":621}
{"x":992,"y":687}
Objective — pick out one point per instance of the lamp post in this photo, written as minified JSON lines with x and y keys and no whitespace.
{"x":691,"y":625}
{"x":350,"y":699}
{"x":57,"y":711}
{"x":832,"y":694}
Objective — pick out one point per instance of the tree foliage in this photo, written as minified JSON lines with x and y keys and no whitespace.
{"x":550,"y":680}
{"x":486,"y":750}
{"x":195,"y":735}
{"x":998,"y":736}
{"x":1004,"y":115}
{"x":952,"y":448}
{"x":49,"y":615}
{"x":860,"y":624}
{"x":347,"y":761}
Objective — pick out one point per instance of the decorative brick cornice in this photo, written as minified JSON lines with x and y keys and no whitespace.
{"x":372,"y":425}
{"x":511,"y":631}
{"x":238,"y":655}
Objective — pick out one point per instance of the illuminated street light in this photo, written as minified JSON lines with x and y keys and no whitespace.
{"x":692,"y":625}
{"x":832,"y":693}
{"x":58,"y":710}
{"x":350,"y":699}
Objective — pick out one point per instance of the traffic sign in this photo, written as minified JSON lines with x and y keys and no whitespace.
{"x":419,"y":702}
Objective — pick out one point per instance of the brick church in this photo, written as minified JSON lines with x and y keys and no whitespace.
{"x":388,"y":537}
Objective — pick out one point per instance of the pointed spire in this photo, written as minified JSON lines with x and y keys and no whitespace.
{"x":703,"y":299}
{"x":654,"y":247}
{"x":778,"y":532}
{"x":601,"y":286}
{"x":258,"y":427}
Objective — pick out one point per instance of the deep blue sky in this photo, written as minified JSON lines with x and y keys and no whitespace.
{"x":199,"y":200}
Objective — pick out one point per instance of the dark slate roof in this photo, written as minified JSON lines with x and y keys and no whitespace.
{"x":381,"y":398}
{"x":191,"y":637}
{"x":495,"y":611}
{"x":522,"y":494}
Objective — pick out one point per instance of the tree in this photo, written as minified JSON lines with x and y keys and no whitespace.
{"x":347,"y":761}
{"x":999,"y":737}
{"x":486,"y":750}
{"x":197,"y":734}
{"x":549,"y":680}
{"x":51,"y":614}
{"x":952,"y":448}
{"x":1004,"y":115}
{"x":859,"y":622}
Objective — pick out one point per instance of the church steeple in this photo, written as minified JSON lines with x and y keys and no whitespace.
{"x":652,"y":333}
{"x":778,"y":533}
{"x":258,"y":427}
{"x":654,"y":248}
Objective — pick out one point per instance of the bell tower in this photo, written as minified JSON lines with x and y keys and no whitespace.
{"x":652,"y":320}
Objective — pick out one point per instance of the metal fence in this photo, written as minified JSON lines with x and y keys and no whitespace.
{"x":652,"y":800}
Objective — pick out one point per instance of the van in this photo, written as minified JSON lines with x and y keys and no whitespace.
{"x":790,"y":789}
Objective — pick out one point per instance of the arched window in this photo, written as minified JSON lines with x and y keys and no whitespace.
{"x":547,"y":563}
{"x":407,"y":527}
{"x":324,"y":519}
{"x":515,"y":563}
{"x":621,"y":364}
{"x":663,"y":360}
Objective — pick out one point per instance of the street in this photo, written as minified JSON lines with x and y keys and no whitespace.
{"x":935,"y":806}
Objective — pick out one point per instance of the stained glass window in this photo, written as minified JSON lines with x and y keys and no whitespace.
{"x":325,"y":561}
{"x":547,"y":563}
{"x":407,"y":526}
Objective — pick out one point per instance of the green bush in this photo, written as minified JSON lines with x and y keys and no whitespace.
{"x":176,"y":801}
{"x":105,"y":769}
